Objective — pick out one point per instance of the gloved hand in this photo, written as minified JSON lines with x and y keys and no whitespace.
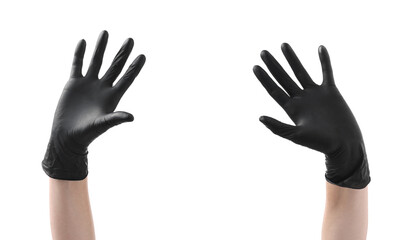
{"x":323,"y":120}
{"x":85,"y":109}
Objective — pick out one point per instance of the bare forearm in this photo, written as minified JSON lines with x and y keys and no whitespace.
{"x":346,"y":213}
{"x":70,"y":211}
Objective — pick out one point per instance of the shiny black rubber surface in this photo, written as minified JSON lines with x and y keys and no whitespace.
{"x":323,"y":120}
{"x":86,"y":109}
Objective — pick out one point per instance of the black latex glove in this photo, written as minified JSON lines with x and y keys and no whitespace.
{"x":323,"y":120}
{"x":85,"y":109}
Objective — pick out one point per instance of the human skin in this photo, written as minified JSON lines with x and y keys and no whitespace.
{"x":346,"y":213}
{"x":70,"y":210}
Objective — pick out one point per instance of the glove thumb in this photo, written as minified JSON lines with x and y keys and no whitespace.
{"x":110,"y":120}
{"x":279,"y":128}
{"x":103,"y":123}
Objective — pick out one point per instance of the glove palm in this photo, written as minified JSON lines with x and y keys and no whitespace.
{"x":86,"y":109}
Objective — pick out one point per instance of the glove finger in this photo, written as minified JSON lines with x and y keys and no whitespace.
{"x":132,"y":72}
{"x":96,"y":60}
{"x":280,"y":74}
{"x":279,"y":128}
{"x":297,"y":67}
{"x":271,"y":87}
{"x":76,"y":70}
{"x":118,"y":62}
{"x":326,"y":67}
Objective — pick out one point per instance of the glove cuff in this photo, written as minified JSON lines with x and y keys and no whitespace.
{"x":359,"y":178}
{"x":61,"y":164}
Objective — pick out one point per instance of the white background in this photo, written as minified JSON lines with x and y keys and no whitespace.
{"x":196,"y":163}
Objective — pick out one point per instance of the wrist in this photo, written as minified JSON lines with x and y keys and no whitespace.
{"x":348,"y":167}
{"x":64,"y":164}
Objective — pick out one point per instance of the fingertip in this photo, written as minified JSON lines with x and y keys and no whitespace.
{"x":141,"y":59}
{"x":125,"y":117}
{"x":129,"y":42}
{"x":130,"y":117}
{"x":259,"y":72}
{"x":264,"y":53}
{"x":122,"y":117}
{"x":103,"y":37}
{"x":322,"y":49}
{"x":262,"y":119}
{"x":256,"y":68}
{"x":286,"y":49}
{"x":142,"y":56}
{"x":285,"y":46}
{"x":138,"y":62}
{"x":81,"y":46}
{"x":324,"y":54}
{"x":81,"y":43}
